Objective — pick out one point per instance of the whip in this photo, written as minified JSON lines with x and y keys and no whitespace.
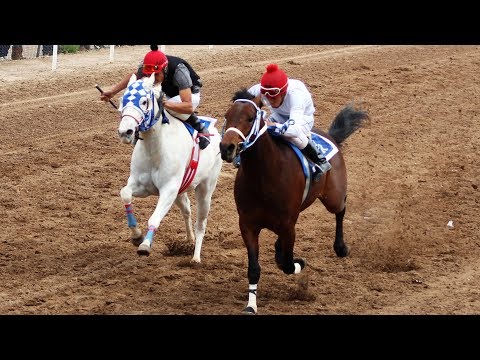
{"x":110,"y":100}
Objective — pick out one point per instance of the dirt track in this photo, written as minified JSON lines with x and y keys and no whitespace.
{"x":64,"y":246}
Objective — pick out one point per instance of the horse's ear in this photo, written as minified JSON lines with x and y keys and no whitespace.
{"x":258,"y":100}
{"x":151,"y":79}
{"x":148,"y":82}
{"x":133,"y":78}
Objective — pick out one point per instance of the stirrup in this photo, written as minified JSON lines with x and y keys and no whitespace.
{"x":203,"y":141}
{"x":324,"y":165}
{"x":321,"y":169}
{"x":317,"y":174}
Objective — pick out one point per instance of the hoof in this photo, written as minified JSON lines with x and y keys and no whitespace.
{"x":300,"y":262}
{"x":342,"y":251}
{"x":137,"y":241}
{"x":195,"y":265}
{"x":143,"y":250}
{"x":249,"y":310}
{"x":195,"y":261}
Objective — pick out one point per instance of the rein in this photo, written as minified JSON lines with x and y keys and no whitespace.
{"x":255,"y":130}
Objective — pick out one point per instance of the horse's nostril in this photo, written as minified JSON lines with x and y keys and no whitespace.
{"x":231,"y":148}
{"x":129,"y":132}
{"x":227,"y":149}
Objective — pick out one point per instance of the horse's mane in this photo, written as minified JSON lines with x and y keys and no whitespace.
{"x":242,"y":94}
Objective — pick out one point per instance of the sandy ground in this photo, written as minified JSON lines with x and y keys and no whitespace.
{"x":64,"y":243}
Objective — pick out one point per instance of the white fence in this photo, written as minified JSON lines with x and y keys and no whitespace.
{"x":35,"y":51}
{"x":20,"y":52}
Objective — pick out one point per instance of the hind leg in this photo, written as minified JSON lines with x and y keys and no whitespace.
{"x":183,"y":203}
{"x":340,"y":247}
{"x":336,"y":203}
{"x":203,"y":195}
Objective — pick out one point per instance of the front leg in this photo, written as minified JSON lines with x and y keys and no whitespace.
{"x":167,"y":196}
{"x":284,"y":252}
{"x":136,"y":233}
{"x":250,"y":239}
{"x":183,"y":203}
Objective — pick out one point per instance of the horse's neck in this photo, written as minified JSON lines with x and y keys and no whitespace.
{"x":262,"y":155}
{"x":260,"y":168}
{"x":160,"y":134}
{"x":173,"y":121}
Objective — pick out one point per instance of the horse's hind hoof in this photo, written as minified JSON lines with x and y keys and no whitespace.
{"x":137,"y":241}
{"x":143,"y":250}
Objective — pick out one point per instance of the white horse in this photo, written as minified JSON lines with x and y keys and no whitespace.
{"x":166,"y":161}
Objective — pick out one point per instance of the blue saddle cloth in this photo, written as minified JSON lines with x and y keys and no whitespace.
{"x":326,"y":146}
{"x":204,"y":120}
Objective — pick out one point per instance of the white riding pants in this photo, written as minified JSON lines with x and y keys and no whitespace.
{"x":298,"y":133}
{"x":195,"y":103}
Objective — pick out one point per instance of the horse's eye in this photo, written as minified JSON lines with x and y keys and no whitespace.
{"x":144,"y":104}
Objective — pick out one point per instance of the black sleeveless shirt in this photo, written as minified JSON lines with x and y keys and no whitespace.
{"x":167,"y":84}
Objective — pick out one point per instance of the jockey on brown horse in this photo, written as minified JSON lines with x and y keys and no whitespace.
{"x":291,"y":114}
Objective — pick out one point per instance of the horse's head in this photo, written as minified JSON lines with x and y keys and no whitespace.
{"x":242,"y":124}
{"x":139,"y":108}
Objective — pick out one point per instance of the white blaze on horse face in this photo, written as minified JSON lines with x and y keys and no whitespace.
{"x":128,"y":125}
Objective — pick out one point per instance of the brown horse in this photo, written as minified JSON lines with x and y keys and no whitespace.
{"x":273,"y":185}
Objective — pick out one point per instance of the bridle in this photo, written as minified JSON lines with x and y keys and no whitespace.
{"x":255,"y":131}
{"x":146,"y":118}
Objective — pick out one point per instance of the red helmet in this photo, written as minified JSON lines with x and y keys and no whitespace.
{"x":274,"y":81}
{"x":154,"y":61}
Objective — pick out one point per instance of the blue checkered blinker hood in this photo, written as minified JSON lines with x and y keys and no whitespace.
{"x":143,"y":101}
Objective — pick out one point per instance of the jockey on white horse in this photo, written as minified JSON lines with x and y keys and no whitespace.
{"x":179,"y":82}
{"x":166,"y":162}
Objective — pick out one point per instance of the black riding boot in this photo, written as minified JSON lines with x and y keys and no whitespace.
{"x":197,"y":125}
{"x":310,"y":151}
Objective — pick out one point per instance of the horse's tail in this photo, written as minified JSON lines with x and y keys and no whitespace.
{"x":347,"y":121}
